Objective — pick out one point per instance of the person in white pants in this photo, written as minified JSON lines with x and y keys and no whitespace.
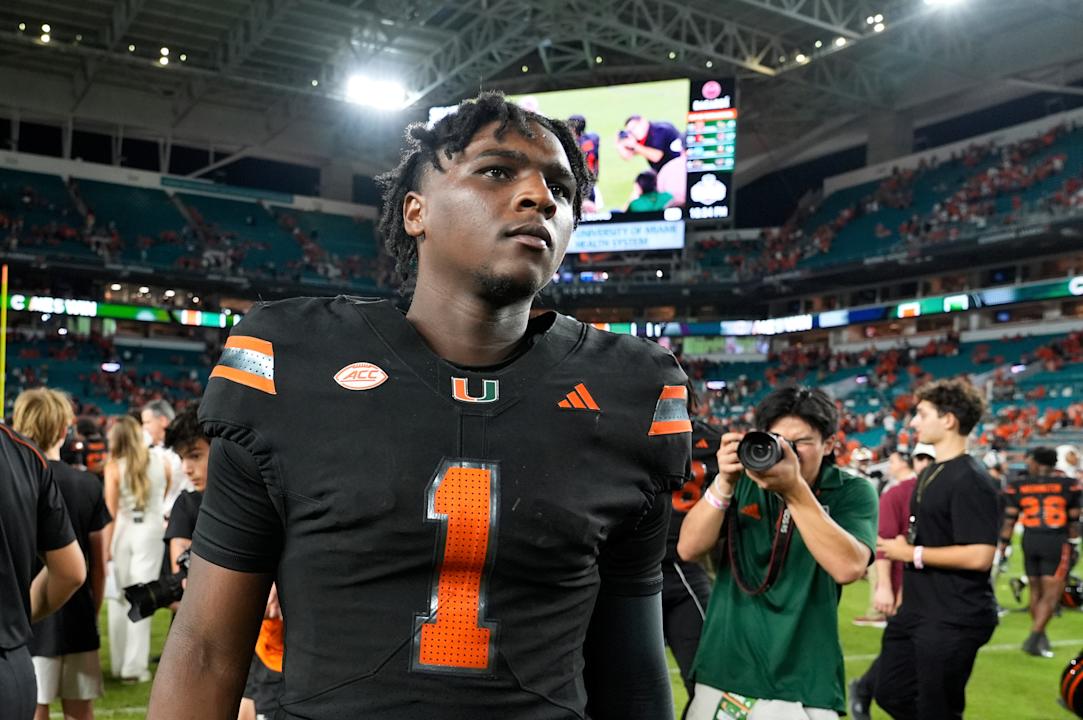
{"x":136,"y":482}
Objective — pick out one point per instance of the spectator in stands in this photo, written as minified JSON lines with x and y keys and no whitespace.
{"x":894,"y":521}
{"x":948,"y":610}
{"x":65,"y":645}
{"x":739,"y":663}
{"x":35,"y":524}
{"x":136,"y":483}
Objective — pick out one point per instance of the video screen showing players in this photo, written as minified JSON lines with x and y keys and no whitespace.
{"x":633,"y":137}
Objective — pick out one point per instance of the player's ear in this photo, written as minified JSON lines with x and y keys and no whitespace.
{"x":413,"y":213}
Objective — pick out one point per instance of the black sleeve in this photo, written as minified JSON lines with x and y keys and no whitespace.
{"x":625,"y":672}
{"x":239,"y":526}
{"x":99,"y":516}
{"x":182,"y":520}
{"x":54,"y":525}
{"x":975,"y":511}
{"x":630,"y":563}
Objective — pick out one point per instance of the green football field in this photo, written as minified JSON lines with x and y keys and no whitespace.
{"x":606,"y":110}
{"x":1006,"y":685}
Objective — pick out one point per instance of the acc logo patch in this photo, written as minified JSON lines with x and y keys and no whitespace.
{"x":361,"y":376}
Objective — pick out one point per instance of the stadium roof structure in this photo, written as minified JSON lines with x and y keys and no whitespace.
{"x":266,"y":77}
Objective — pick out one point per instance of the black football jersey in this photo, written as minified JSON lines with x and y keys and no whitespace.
{"x":1044,"y":504}
{"x":705,"y":443}
{"x":439,"y":534}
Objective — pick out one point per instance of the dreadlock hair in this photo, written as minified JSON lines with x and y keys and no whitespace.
{"x":450,"y":135}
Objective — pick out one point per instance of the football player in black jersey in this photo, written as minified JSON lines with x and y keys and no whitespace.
{"x":685,"y":585}
{"x":1047,"y":504}
{"x":464,"y":507}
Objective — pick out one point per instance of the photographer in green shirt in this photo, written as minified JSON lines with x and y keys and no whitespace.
{"x":794,"y":530}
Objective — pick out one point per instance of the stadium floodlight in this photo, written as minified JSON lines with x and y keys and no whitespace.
{"x":315,"y":83}
{"x":170,"y":293}
{"x":183,"y":57}
{"x":195,"y":300}
{"x":62,"y":331}
{"x":597,"y":59}
{"x":164,"y":51}
{"x":163,"y":60}
{"x":380,"y":94}
{"x":144,"y":290}
{"x":941,"y":3}
{"x":526,"y":68}
{"x":801,"y":58}
{"x":131,"y":48}
{"x":45,"y":37}
{"x":710,"y":63}
{"x":46,"y":28}
{"x":878,"y":27}
{"x":22,"y":27}
{"x":115,"y":287}
{"x":840,"y":41}
{"x":879,"y":18}
{"x":819,"y":44}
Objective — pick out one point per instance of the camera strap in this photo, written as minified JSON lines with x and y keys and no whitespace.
{"x":780,"y":547}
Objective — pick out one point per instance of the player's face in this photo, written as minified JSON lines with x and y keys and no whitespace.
{"x":194,"y":463}
{"x":811,"y":447}
{"x":499,"y":217}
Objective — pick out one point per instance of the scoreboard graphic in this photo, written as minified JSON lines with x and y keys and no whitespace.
{"x":711,"y":148}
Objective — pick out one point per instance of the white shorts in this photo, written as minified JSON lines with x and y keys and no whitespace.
{"x":712,"y":704}
{"x":68,"y":677}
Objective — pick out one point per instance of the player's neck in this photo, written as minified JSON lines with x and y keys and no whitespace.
{"x":466,"y":330}
{"x":950,"y":447}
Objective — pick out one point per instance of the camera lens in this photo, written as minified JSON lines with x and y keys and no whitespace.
{"x":759,"y":451}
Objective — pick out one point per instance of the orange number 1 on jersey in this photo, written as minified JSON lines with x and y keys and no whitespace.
{"x":454,"y":635}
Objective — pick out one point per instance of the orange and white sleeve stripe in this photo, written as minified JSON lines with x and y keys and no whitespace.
{"x":247,"y":361}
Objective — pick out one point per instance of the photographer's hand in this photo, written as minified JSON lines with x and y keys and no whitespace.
{"x":729,"y":466}
{"x":784,"y":477}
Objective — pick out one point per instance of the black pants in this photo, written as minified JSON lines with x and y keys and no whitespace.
{"x":18,"y":685}
{"x":866,"y":684}
{"x":685,"y":591}
{"x":924,"y":667}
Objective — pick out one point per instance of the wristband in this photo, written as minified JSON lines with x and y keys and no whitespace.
{"x":714,"y":501}
{"x":724,"y":496}
{"x":919,"y":564}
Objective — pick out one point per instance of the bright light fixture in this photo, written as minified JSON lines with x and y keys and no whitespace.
{"x":170,"y":293}
{"x":382,"y":94}
{"x":879,"y":18}
{"x":183,"y":58}
{"x":878,"y":27}
{"x":840,"y":42}
{"x":315,"y":83}
{"x":801,"y":58}
{"x":658,"y":273}
{"x":22,"y":27}
{"x":942,"y":3}
{"x":45,"y":37}
{"x":62,"y":331}
{"x":163,"y":60}
{"x":869,"y":20}
{"x":597,"y":59}
{"x":115,"y":287}
{"x":164,"y":51}
{"x":144,"y":290}
{"x":672,"y":55}
{"x":819,"y":44}
{"x":525,"y":68}
{"x":131,"y":48}
{"x":195,"y":300}
{"x":46,"y":28}
{"x":710,"y":63}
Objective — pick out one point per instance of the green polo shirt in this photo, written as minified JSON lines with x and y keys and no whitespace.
{"x":783,"y":644}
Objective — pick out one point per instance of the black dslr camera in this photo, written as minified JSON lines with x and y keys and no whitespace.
{"x":759,"y":451}
{"x":147,"y":598}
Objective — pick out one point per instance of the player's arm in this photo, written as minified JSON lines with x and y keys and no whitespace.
{"x":96,"y":572}
{"x":702,"y":525}
{"x":235,"y":549}
{"x":209,"y":648}
{"x":63,"y":574}
{"x":977,"y":556}
{"x":625,"y":673}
